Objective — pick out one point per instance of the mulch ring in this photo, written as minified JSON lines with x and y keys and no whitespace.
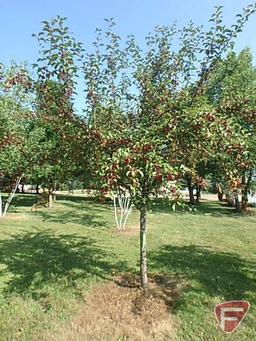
{"x":120,"y":310}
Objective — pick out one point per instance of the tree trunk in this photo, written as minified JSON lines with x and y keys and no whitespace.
{"x":54,"y":191}
{"x":50,"y":199}
{"x":143,"y":249}
{"x":37,"y":189}
{"x":219,"y":192}
{"x":244,"y":195}
{"x":1,"y":206}
{"x":220,"y":197}
{"x":198,"y":193}
{"x":245,"y":188}
{"x":156,"y":193}
{"x":191,"y":190}
{"x":237,"y":203}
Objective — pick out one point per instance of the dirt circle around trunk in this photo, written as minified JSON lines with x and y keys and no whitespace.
{"x":128,"y":231}
{"x":15,"y":216}
{"x":120,"y":310}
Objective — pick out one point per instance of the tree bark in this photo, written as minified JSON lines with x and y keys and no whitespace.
{"x":219,"y":192}
{"x":245,"y":188}
{"x":54,"y":192}
{"x":1,"y":206}
{"x":220,"y":197}
{"x":156,"y":193}
{"x":198,"y":194}
{"x":244,"y":195}
{"x":50,"y":199}
{"x":237,"y":203}
{"x":143,"y":249}
{"x":190,"y":190}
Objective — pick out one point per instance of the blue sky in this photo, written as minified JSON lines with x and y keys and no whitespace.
{"x":20,"y":18}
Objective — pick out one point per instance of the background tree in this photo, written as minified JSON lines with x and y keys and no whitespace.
{"x":15,"y":127}
{"x":232,"y":90}
{"x":55,"y":90}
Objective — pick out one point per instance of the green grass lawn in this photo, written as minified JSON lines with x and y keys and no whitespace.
{"x":50,"y":258}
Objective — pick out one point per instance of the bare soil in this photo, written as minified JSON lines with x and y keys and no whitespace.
{"x":128,"y":231}
{"x":120,"y":310}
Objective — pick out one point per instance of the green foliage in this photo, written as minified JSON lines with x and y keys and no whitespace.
{"x":15,"y":121}
{"x":172,"y":125}
{"x":55,"y":88}
{"x":232,"y":90}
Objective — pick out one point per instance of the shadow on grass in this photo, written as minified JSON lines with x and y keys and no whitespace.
{"x":83,"y":199}
{"x":77,"y":216}
{"x":216,"y":209}
{"x":36,"y":259}
{"x":213,"y":208}
{"x":91,"y":204}
{"x":86,"y":211}
{"x":218,"y":273}
{"x":27,"y":200}
{"x":24,"y":200}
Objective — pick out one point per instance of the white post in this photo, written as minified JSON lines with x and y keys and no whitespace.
{"x":115,"y":211}
{"x":120,"y":198}
{"x":125,"y":208}
{"x":127,"y":215}
{"x":11,"y":196}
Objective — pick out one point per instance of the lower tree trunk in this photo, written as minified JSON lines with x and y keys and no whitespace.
{"x":143,"y":249}
{"x":219,"y":192}
{"x":244,"y":200}
{"x":50,"y":200}
{"x":1,"y":206}
{"x":54,"y":191}
{"x":220,"y":197}
{"x":191,"y":191}
{"x":198,"y":193}
{"x":37,"y":189}
{"x":237,"y":203}
{"x":245,"y":188}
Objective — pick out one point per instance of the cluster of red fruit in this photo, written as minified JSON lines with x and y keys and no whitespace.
{"x":96,"y":135}
{"x":147,"y":148}
{"x":128,"y":160}
{"x":235,"y":183}
{"x":159,"y":177}
{"x":235,"y":148}
{"x":171,"y":177}
{"x":200,"y":181}
{"x":18,"y":79}
{"x":9,"y":140}
{"x":209,"y":116}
